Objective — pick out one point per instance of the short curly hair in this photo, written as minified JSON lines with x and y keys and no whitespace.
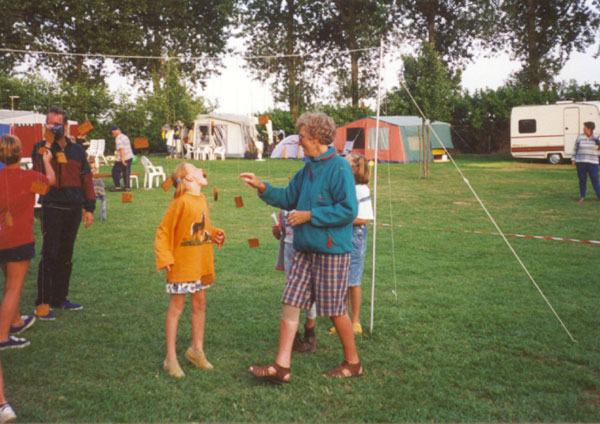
{"x":318,"y":126}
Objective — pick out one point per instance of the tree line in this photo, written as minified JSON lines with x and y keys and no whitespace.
{"x":298,"y":47}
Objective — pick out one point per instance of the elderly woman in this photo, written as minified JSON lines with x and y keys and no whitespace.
{"x":585,"y":157}
{"x":323,"y":202}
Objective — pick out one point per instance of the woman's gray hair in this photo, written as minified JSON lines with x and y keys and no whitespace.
{"x":318,"y":126}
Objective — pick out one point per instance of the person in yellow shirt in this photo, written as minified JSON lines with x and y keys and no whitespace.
{"x":184,"y":248}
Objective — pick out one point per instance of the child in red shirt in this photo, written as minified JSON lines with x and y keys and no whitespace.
{"x":17,"y":245}
{"x":183,"y":246}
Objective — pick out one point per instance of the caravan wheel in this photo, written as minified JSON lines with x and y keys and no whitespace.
{"x":554,"y":158}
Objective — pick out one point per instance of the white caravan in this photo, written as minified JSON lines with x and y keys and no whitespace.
{"x":549,"y":131}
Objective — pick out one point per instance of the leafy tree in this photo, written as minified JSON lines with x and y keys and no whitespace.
{"x":198,"y":28}
{"x":345,"y":28}
{"x":433,"y":86}
{"x":543,"y":33}
{"x":278,"y":28}
{"x":454,"y":27}
{"x":166,"y":103}
{"x":20,"y":25}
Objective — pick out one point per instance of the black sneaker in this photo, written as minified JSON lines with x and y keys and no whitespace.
{"x":14,"y":343}
{"x":114,"y":189}
{"x":68,"y":306}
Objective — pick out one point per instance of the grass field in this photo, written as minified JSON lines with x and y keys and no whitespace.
{"x":460,"y":333}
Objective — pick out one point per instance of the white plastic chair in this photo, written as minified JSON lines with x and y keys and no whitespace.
{"x":203,"y":150}
{"x":133,"y":178}
{"x":100,"y":151}
{"x":219,"y":150}
{"x":151,"y":172}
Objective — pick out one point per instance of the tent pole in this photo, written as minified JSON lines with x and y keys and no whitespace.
{"x":375,"y":183}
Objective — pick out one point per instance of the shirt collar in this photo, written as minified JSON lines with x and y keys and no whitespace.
{"x":327,"y":155}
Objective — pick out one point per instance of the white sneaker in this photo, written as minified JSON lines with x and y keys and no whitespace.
{"x":6,"y":413}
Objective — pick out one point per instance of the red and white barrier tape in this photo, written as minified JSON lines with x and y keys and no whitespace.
{"x":507,"y":234}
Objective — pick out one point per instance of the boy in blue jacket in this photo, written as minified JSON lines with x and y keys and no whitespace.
{"x":322,"y":198}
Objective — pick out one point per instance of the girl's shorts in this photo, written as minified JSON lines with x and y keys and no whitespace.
{"x":357,"y":257}
{"x":24,"y":252}
{"x":187,"y":287}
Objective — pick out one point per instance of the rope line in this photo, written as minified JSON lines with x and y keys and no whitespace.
{"x":489,"y":215}
{"x":527,"y":236}
{"x":165,"y":57}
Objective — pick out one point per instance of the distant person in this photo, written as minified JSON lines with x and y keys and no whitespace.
{"x":183,"y":247}
{"x":322,"y":200}
{"x":61,"y":214}
{"x":585,"y":157}
{"x":123,"y":160}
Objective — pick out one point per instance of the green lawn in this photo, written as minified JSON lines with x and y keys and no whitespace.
{"x":460,"y":333}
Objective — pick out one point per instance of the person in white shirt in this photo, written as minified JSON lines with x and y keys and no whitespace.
{"x":585,"y":157}
{"x":123,"y":160}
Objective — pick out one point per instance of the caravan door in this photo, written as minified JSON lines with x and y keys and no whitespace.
{"x":571,"y":129}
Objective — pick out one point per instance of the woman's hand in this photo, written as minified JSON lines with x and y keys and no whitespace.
{"x":299,"y":217}
{"x":250,"y":180}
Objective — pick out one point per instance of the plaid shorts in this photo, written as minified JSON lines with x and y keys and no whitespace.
{"x":320,"y":278}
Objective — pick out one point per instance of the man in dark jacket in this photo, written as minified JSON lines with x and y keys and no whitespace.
{"x":61,"y":213}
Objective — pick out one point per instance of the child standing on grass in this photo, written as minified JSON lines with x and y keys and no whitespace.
{"x":360,"y":169}
{"x":284,"y":232}
{"x":17,"y":245}
{"x":183,"y":246}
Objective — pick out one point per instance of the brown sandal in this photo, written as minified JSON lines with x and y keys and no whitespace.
{"x":345,"y":370}
{"x":273,"y":373}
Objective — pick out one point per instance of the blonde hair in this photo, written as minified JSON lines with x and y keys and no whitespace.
{"x":10,"y":149}
{"x":177,"y":177}
{"x":317,"y":125}
{"x":361,"y":168}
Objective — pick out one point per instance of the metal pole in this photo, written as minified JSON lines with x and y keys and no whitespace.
{"x":375,"y":184}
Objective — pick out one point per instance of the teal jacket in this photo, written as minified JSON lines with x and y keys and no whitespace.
{"x":325,"y":186}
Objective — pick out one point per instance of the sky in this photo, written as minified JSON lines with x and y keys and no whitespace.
{"x":235,"y":92}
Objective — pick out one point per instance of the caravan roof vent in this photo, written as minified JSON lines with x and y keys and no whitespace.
{"x":564,"y":102}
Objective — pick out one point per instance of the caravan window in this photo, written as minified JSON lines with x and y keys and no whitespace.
{"x":527,"y":126}
{"x":357,"y":135}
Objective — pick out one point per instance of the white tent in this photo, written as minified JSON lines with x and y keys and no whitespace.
{"x":24,"y":117}
{"x":288,"y":148}
{"x":236,"y":132}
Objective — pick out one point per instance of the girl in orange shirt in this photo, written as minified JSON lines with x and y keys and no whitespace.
{"x":183,"y":246}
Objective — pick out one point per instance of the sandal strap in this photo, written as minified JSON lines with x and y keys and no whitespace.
{"x":279,"y":376}
{"x":354,"y":370}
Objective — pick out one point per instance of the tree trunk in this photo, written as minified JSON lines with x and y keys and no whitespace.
{"x":533,"y":56}
{"x":354,"y":56}
{"x":291,"y":61}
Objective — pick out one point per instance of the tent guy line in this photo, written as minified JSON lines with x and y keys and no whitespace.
{"x":489,"y":215}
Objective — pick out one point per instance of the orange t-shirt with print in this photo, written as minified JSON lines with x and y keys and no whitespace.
{"x":184,"y":241}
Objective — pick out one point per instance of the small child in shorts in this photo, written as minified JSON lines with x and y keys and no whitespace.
{"x":284,"y":232}
{"x":99,"y":188}
{"x":360,"y":169}
{"x":183,"y":246}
